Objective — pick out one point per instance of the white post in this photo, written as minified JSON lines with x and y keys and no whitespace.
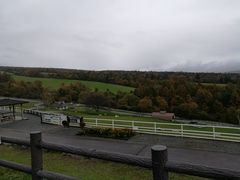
{"x":214,"y":132}
{"x":132,"y":124}
{"x":113,"y":123}
{"x":155,"y":127}
{"x":96,"y":122}
{"x":182,"y":130}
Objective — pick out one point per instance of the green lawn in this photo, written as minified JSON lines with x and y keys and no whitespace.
{"x":76,"y":166}
{"x":56,"y":83}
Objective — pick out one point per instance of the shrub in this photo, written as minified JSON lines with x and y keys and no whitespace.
{"x":107,"y":133}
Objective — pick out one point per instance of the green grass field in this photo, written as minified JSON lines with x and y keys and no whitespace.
{"x":76,"y":166}
{"x":56,"y":83}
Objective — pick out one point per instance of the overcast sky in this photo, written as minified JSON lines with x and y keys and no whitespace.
{"x":179,"y":35}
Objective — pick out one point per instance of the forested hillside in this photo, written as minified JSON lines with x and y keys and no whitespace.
{"x":128,"y":78}
{"x":185,"y":94}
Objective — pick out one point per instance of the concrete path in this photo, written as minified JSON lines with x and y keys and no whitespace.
{"x":180,"y":150}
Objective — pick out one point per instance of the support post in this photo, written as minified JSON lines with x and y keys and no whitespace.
{"x":214,"y":132}
{"x":36,"y":154}
{"x":159,"y":159}
{"x":155,"y":127}
{"x":113,"y":123}
{"x":14,"y":117}
{"x":21,"y":111}
{"x":182,"y":130}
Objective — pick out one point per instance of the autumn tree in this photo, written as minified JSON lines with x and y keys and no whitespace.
{"x":161,"y":104}
{"x":145,"y":104}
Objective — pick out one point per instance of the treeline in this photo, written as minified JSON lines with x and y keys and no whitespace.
{"x":192,"y":100}
{"x":11,"y":88}
{"x":183,"y":93}
{"x":128,"y":78}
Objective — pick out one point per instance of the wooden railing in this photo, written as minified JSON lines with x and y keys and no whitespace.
{"x":158,"y":162}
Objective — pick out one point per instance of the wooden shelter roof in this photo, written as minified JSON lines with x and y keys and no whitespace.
{"x":10,"y":102}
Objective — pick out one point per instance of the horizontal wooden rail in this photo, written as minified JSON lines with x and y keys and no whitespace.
{"x":54,"y":176}
{"x":104,"y":155}
{"x":15,"y":141}
{"x":158,"y":162}
{"x":202,"y":171}
{"x":15,"y":166}
{"x":36,"y":157}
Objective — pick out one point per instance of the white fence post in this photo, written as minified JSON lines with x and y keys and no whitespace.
{"x":96,"y":122}
{"x":113,"y":123}
{"x":155,"y":127}
{"x":214,"y":132}
{"x":132,"y":124}
{"x":182,"y":130}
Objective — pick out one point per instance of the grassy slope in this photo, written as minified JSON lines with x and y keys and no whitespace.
{"x":55,"y":83}
{"x":79,"y":167}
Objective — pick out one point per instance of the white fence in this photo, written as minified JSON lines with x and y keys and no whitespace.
{"x":169,"y":129}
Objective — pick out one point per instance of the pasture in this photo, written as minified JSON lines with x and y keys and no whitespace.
{"x":56,"y":83}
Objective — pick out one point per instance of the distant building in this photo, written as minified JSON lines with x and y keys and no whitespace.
{"x":164,"y":115}
{"x":62,"y":105}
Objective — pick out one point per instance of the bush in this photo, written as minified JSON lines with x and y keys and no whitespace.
{"x":107,"y":133}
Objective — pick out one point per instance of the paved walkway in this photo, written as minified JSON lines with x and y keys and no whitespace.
{"x":179,"y":149}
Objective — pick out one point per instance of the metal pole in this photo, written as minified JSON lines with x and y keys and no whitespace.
{"x":36,"y":154}
{"x":159,"y":159}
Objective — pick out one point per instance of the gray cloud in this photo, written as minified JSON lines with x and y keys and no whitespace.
{"x":189,"y":35}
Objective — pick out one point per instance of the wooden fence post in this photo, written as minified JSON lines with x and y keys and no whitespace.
{"x":36,"y":154}
{"x":159,"y":159}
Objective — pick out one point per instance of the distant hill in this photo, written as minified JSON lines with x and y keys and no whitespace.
{"x":130,"y":79}
{"x":235,"y":72}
